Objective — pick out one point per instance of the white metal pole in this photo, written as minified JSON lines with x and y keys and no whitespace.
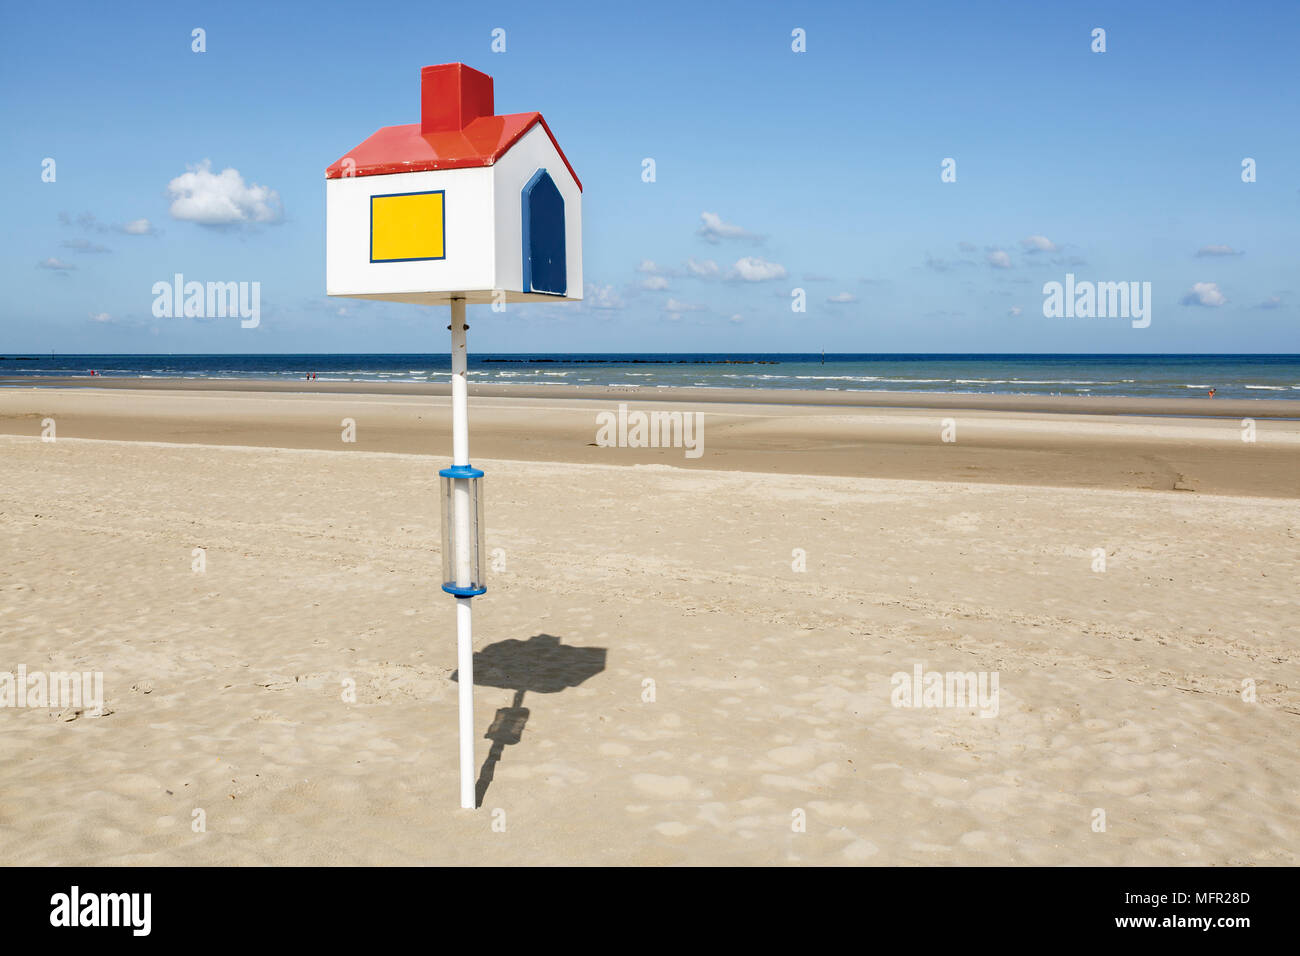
{"x":460,"y":439}
{"x":459,"y":386}
{"x":465,"y":664}
{"x":461,"y":505}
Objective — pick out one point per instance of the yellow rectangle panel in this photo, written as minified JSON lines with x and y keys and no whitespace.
{"x":407,"y":226}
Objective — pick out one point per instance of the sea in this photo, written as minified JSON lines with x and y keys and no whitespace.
{"x":1164,"y":376}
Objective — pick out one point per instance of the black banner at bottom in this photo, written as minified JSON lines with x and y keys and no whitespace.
{"x":336,"y":906}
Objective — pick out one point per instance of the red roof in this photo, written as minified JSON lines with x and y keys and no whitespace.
{"x":457,"y":130}
{"x":404,"y":149}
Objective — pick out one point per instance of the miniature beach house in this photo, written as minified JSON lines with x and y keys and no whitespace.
{"x":460,"y":208}
{"x":464,"y":204}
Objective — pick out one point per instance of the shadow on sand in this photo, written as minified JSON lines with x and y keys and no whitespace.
{"x":540,"y":664}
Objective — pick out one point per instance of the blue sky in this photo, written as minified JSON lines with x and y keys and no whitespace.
{"x":822,"y":167}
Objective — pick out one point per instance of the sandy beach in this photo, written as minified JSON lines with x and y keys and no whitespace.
{"x":747,"y":611}
{"x":1149,"y":444}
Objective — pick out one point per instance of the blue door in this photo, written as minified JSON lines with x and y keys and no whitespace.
{"x":543,"y":220}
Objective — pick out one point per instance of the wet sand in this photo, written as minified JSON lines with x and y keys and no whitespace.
{"x":1139,"y":448}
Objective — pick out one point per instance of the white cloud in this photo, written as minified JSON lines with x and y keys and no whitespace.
{"x":1015,"y":311}
{"x":602,"y":297}
{"x":1204,"y":293}
{"x":649,"y":267}
{"x":221,"y":199}
{"x":654,"y":283}
{"x":57,"y":265}
{"x":85,"y":220}
{"x":713,"y":229}
{"x":841,"y":298}
{"x":88,"y":221}
{"x":674,"y":308}
{"x":84,"y":245}
{"x":702,"y":268}
{"x":1272,"y":302}
{"x":1204,"y":251}
{"x":999,"y":259}
{"x":100,"y":317}
{"x":737,"y":318}
{"x":1038,"y":244}
{"x":756,"y":269}
{"x":675,"y":305}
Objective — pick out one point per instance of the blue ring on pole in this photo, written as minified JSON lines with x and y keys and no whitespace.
{"x":461,"y":471}
{"x":463,"y":592}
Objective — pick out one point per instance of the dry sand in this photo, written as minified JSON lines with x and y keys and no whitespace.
{"x":1119,"y":691}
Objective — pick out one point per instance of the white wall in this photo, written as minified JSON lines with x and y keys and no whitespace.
{"x":469,"y":262}
{"x":534,"y":151}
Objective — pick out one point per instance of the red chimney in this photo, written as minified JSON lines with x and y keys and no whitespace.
{"x":452,"y":96}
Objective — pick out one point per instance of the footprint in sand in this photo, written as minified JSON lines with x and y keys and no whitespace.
{"x":666,"y":787}
{"x":791,"y":756}
{"x":860,"y":850}
{"x":672,"y":829}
